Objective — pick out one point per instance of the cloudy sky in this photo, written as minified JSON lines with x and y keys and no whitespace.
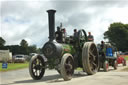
{"x":27,"y":19}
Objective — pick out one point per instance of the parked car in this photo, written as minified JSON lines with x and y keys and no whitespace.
{"x":19,"y":59}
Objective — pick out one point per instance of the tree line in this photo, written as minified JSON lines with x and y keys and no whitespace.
{"x":23,"y":48}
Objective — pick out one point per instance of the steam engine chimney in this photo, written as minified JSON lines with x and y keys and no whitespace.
{"x":51,"y":19}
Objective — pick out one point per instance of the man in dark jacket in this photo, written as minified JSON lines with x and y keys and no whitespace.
{"x":58,"y":35}
{"x":90,"y":37}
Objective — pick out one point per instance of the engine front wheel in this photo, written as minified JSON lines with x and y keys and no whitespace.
{"x":37,"y":67}
{"x":67,"y":66}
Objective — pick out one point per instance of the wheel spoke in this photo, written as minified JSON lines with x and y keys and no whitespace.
{"x":38,"y":72}
{"x":38,"y":61}
{"x":34,"y":67}
{"x":93,"y":50}
{"x":94,"y":65}
{"x":69,"y":67}
{"x":94,"y":57}
{"x":35,"y":72}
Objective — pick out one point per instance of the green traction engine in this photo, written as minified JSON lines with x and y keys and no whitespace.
{"x":65,"y":56}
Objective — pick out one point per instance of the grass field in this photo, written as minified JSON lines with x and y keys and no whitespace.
{"x":80,"y":69}
{"x":126,"y":57}
{"x":14,"y":66}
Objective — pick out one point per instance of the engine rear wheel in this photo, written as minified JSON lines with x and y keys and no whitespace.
{"x":37,"y":67}
{"x":67,"y":66}
{"x":90,"y":58}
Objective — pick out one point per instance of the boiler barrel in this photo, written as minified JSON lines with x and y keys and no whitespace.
{"x":54,"y":49}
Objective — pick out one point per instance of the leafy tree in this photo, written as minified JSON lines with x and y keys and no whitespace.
{"x":39,"y":50}
{"x":117,"y":35}
{"x":32,"y":49}
{"x":15,"y":49}
{"x":2,"y":42}
{"x":24,"y":47}
{"x":24,"y":43}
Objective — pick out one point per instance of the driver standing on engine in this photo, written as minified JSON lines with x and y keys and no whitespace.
{"x":75,"y":35}
{"x":58,"y":35}
{"x":103,"y":49}
{"x":90,"y":37}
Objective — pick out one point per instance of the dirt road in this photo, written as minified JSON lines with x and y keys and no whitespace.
{"x":51,"y":77}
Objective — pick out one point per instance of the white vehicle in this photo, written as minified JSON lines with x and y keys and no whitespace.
{"x":5,"y":56}
{"x":19,"y":58}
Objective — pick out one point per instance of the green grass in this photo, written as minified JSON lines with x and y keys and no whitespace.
{"x":126,"y":57}
{"x":14,"y":66}
{"x":80,"y":69}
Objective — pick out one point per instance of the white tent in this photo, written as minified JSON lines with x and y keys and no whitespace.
{"x":5,"y":55}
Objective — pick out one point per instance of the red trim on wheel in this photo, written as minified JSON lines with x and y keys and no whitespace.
{"x":107,"y":66}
